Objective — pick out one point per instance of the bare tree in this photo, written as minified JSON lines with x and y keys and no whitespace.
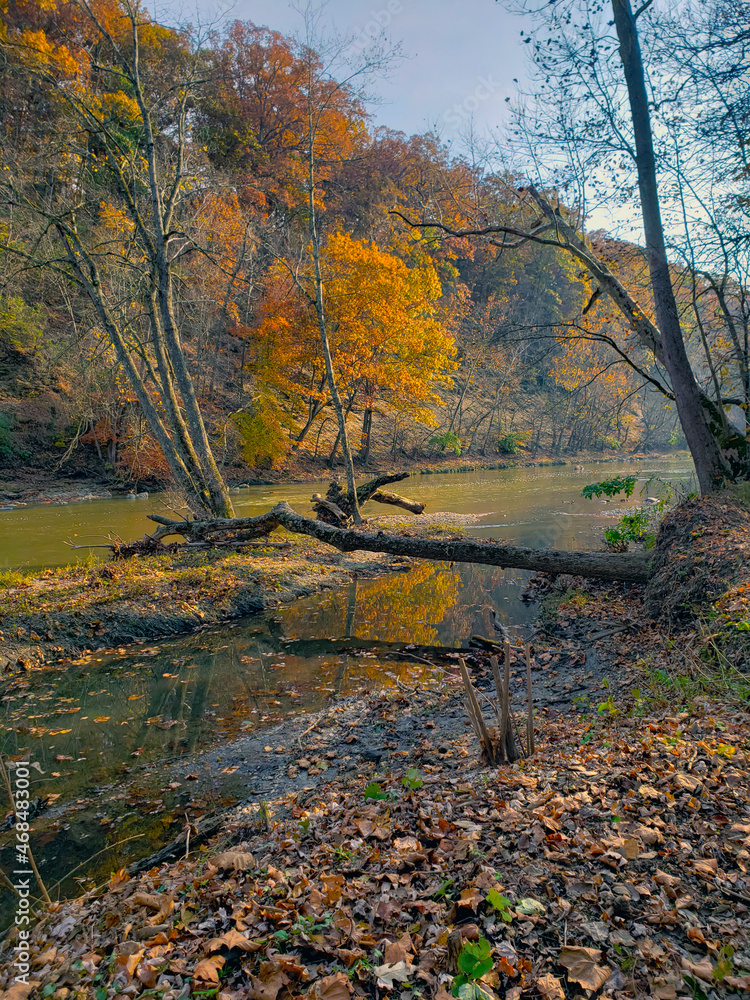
{"x":110,"y":189}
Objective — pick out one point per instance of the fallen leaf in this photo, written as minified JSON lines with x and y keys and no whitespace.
{"x":530,"y":907}
{"x":231,"y":939}
{"x":701,"y":970}
{"x":335,"y":987}
{"x":208,"y":969}
{"x":389,"y":973}
{"x":582,"y":967}
{"x":550,"y":987}
{"x":237,"y":861}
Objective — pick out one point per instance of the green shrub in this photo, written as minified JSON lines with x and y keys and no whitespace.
{"x":447,"y":442}
{"x":510,"y":443}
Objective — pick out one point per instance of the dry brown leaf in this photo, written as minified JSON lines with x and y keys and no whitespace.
{"x":19,"y":991}
{"x":701,"y":970}
{"x":550,"y":987}
{"x":662,"y":878}
{"x":335,"y":987}
{"x":148,"y":974}
{"x":442,"y":994}
{"x":582,"y":967}
{"x":208,"y":969}
{"x":407,"y":844}
{"x":333,"y":888}
{"x":268,"y":983}
{"x":231,"y":939}
{"x":151,"y":900}
{"x":667,"y":992}
{"x":350,"y":956}
{"x":470,"y":899}
{"x":236,"y":861}
{"x":738,"y":982}
{"x":706,"y":867}
{"x":399,"y":951}
{"x":118,"y":880}
{"x":291,"y":966}
{"x":46,"y":956}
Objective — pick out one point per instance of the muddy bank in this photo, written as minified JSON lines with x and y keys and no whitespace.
{"x":68,"y":612}
{"x":393,"y":728}
{"x":595,"y":848}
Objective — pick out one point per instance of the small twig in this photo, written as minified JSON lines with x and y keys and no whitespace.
{"x":308,"y":730}
{"x":475,"y":713}
{"x":510,"y":745}
{"x":7,"y":882}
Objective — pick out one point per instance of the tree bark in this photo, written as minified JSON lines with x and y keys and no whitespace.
{"x":710,"y":466}
{"x":634,"y":568}
{"x":384,"y":496}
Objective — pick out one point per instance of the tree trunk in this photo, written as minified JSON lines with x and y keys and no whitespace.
{"x":338,"y":409}
{"x":364,"y":451}
{"x":634,"y":568}
{"x":710,"y":466}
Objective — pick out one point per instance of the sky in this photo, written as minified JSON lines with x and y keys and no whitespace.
{"x":460,"y":57}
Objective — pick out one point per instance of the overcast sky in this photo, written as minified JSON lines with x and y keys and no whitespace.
{"x":460,"y":56}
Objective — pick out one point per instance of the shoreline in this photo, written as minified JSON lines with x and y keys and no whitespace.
{"x":53,"y":615}
{"x":61,"y":490}
{"x":597,"y":845}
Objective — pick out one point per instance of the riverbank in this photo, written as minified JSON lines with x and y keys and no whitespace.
{"x":69,"y":612}
{"x":614,"y":861}
{"x":22,"y":488}
{"x":618,"y":852}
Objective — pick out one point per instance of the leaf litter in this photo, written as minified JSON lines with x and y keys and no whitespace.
{"x":614,"y":862}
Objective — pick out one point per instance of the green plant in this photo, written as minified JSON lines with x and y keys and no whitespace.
{"x":501,"y":905}
{"x":474,"y":961}
{"x":447,"y":442}
{"x":610,"y":487}
{"x":608,"y":707}
{"x":631,"y":528}
{"x":412,"y":781}
{"x":375,"y":793}
{"x":724,"y":964}
{"x":510,"y":443}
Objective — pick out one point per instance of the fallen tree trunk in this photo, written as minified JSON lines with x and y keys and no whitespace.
{"x":384,"y":496}
{"x":634,"y":568}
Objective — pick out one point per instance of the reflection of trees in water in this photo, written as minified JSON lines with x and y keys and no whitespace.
{"x":399,"y":606}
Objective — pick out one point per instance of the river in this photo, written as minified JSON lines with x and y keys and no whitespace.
{"x":108,"y":731}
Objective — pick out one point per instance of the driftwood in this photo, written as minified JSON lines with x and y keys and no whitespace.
{"x":383,"y":496}
{"x":335,"y":508}
{"x":634,"y":567}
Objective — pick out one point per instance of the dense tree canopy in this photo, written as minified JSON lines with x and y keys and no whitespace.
{"x":156,"y":214}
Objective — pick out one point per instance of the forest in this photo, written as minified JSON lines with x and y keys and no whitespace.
{"x":174,"y":202}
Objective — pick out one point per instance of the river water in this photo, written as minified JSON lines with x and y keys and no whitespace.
{"x":105,"y":730}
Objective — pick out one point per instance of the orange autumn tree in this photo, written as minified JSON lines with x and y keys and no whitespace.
{"x":388,"y":334}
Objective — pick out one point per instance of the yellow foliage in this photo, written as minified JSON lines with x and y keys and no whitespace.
{"x":388,"y":339}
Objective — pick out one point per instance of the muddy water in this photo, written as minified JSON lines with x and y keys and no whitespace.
{"x":108,"y":732}
{"x":530,"y":505}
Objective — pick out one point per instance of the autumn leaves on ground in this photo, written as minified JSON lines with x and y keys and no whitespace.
{"x":612,"y":862}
